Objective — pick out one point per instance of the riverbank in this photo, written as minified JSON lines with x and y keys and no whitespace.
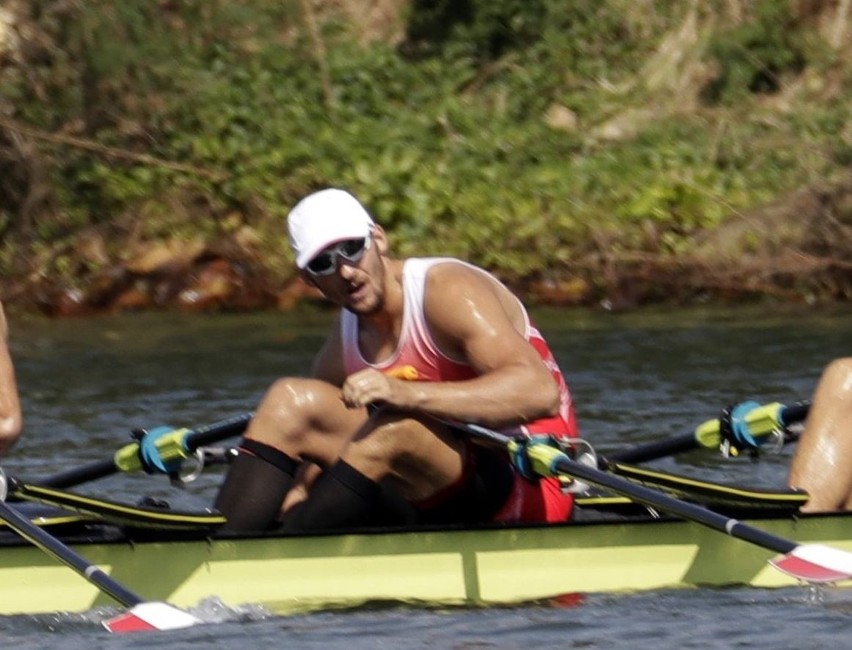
{"x":797,"y":249}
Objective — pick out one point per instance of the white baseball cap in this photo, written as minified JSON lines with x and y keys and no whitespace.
{"x":324,"y":218}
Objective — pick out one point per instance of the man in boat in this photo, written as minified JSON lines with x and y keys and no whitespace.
{"x":10,"y":405}
{"x":419,"y":343}
{"x":821,"y":464}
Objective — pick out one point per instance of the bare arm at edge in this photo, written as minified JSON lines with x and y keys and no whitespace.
{"x":10,"y":406}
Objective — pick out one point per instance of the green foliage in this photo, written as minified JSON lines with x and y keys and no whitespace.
{"x":487,"y":30}
{"x":232,"y":105}
{"x":755,"y":56}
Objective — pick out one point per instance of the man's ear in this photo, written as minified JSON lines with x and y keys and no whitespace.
{"x":380,"y":239}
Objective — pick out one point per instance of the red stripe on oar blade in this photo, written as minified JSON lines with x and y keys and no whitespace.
{"x":815,"y":563}
{"x":127,"y":622}
{"x":150,"y":616}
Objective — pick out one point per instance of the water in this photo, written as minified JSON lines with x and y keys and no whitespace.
{"x":636,"y":377}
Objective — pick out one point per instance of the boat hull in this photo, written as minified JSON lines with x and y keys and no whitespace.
{"x":458,"y":567}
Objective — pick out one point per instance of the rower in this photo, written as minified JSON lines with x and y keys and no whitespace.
{"x":418,"y":343}
{"x":10,"y":404}
{"x":822,"y":464}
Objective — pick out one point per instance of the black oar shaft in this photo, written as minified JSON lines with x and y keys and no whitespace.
{"x":66,"y":555}
{"x":654,"y":450}
{"x":207,"y":435}
{"x":664,"y":502}
{"x":79,"y":475}
{"x":689,"y":441}
{"x":649,"y":497}
{"x":795,"y":413}
{"x":198,"y":438}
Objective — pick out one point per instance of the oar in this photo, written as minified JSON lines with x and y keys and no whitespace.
{"x":142,"y":615}
{"x":176,"y":445}
{"x":810,"y":563}
{"x":760,"y":421}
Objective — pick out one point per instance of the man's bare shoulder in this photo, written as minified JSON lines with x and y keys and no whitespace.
{"x":454,"y":277}
{"x":460,"y":295}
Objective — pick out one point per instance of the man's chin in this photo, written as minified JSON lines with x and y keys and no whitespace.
{"x":364,"y":307}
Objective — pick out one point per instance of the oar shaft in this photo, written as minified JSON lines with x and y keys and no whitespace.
{"x":795,"y":413}
{"x":66,"y":555}
{"x":212,"y":433}
{"x":654,"y":450}
{"x":649,"y":497}
{"x":83,"y":474}
{"x":690,"y":441}
{"x":664,"y":502}
{"x":205,"y":435}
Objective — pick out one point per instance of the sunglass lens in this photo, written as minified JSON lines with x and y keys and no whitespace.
{"x":321,"y":263}
{"x":352,"y":247}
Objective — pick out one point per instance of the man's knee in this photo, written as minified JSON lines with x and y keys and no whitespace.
{"x":290,"y":395}
{"x":292,"y":408}
{"x":839,"y":374}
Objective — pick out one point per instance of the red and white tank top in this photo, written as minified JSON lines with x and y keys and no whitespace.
{"x":418,"y":358}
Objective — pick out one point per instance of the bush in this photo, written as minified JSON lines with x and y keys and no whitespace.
{"x":234,"y":108}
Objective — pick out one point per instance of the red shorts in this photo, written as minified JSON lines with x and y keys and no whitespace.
{"x":542,"y":500}
{"x":536,"y":501}
{"x":527,"y":501}
{"x":507,"y":494}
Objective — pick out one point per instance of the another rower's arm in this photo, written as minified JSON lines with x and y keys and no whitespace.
{"x":10,"y":407}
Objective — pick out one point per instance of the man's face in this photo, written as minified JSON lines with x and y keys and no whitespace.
{"x":350,"y":272}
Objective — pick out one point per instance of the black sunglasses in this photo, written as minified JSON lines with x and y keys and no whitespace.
{"x":350,"y":250}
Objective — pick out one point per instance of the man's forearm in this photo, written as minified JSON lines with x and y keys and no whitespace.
{"x":499,"y":399}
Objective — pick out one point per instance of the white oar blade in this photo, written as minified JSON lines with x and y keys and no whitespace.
{"x":146,"y":617}
{"x":815,"y":563}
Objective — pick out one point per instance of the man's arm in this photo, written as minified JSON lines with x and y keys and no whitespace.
{"x":10,"y":407}
{"x":470,"y":320}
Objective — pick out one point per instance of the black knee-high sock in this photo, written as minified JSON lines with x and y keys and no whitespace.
{"x":257,"y":481}
{"x":344,"y":497}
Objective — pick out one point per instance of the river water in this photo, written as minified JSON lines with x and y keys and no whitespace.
{"x":636,"y":377}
